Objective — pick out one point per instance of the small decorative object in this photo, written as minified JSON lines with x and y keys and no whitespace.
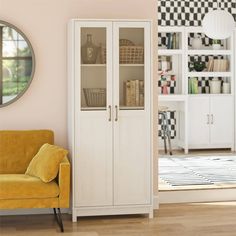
{"x":216,"y":44}
{"x":164,"y":63}
{"x":197,"y":42}
{"x":89,"y":51}
{"x":197,"y":66}
{"x":226,"y":87}
{"x":165,"y":89}
{"x":167,"y":83}
{"x":215,"y":86}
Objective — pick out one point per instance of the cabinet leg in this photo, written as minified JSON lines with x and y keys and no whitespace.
{"x":74,"y":216}
{"x":151,"y":214}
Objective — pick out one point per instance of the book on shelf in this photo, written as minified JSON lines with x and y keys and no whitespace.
{"x":134,"y":93}
{"x":217,"y":65}
{"x":172,"y":41}
{"x":193,"y":86}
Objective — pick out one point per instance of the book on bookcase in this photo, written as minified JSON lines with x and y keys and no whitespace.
{"x":134,"y":93}
{"x":217,"y":65}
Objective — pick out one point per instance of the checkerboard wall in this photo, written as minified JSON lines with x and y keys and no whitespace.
{"x":189,"y":12}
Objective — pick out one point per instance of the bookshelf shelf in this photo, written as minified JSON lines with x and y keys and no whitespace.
{"x":209,"y":74}
{"x":173,"y":97}
{"x":210,"y":95}
{"x":168,"y":52}
{"x":209,"y":52}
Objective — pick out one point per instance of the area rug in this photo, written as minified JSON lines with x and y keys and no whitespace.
{"x":197,"y":170}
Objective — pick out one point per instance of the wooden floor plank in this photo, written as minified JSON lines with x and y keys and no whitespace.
{"x":199,"y":219}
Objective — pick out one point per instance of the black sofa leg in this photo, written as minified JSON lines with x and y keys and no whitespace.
{"x":58,"y":218}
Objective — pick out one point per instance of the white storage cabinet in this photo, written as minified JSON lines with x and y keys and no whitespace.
{"x":110,"y":142}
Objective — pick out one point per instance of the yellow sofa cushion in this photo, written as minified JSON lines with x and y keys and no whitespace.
{"x":45,"y":163}
{"x":18,"y":147}
{"x":20,"y":186}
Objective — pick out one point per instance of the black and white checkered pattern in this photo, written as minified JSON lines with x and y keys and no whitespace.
{"x":204,"y":85}
{"x":189,"y":13}
{"x":162,"y":40}
{"x":171,"y":85}
{"x":202,"y":58}
{"x":171,"y":116}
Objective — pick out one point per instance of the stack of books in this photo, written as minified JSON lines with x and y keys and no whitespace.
{"x":172,"y":41}
{"x":217,"y":65}
{"x":134,"y":93}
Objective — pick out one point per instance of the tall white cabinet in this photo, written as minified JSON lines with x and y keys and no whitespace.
{"x":110,"y":121}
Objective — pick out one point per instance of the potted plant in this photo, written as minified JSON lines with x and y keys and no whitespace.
{"x":216,"y":44}
{"x":197,"y":66}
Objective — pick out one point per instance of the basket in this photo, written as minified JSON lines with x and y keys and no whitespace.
{"x":126,"y":42}
{"x":95,"y":97}
{"x":131,"y":55}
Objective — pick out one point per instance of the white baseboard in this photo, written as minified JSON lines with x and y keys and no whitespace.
{"x":188,"y":196}
{"x":29,"y":212}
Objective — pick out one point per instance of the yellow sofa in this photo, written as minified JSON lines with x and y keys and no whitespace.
{"x":18,"y":190}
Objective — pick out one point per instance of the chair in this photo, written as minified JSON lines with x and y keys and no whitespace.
{"x":18,"y":190}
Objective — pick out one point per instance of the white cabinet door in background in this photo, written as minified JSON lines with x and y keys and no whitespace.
{"x":221,"y":109}
{"x":199,"y":119}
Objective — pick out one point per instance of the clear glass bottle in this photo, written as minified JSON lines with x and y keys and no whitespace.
{"x":89,"y":51}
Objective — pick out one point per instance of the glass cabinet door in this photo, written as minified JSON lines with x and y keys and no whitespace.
{"x":131,"y":68}
{"x":95,"y":57}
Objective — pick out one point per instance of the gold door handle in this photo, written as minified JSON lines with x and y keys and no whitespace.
{"x":109,"y":107}
{"x":116,"y":108}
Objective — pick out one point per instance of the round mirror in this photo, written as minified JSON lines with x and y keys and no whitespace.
{"x":17,"y":63}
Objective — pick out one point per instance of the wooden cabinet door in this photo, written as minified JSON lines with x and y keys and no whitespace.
{"x":93,"y":158}
{"x":221,"y":131}
{"x":199,"y":122}
{"x":132,"y":126}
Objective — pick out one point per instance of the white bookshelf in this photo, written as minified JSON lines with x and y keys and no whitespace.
{"x":181,"y":101}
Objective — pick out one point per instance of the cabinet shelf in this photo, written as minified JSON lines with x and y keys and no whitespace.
{"x":130,"y":65}
{"x":93,"y":108}
{"x":93,"y":65}
{"x":131,"y":108}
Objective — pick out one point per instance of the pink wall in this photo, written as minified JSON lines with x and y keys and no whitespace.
{"x":44,"y":105}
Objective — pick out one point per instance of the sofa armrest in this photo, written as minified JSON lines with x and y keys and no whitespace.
{"x":64,"y":183}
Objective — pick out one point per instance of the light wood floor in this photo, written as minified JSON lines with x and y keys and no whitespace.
{"x":218,"y":219}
